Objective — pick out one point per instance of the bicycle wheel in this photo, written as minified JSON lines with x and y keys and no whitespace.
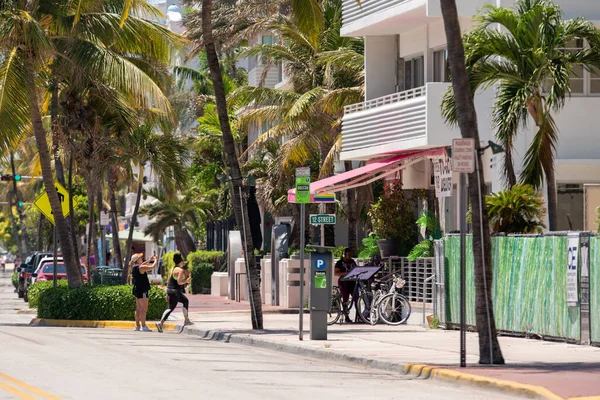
{"x":335,"y":310}
{"x":363,"y":307}
{"x":374,"y":309}
{"x":394,"y":309}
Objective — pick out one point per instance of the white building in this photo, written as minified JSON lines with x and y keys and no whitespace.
{"x":406,"y":76}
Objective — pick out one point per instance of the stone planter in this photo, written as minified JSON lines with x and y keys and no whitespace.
{"x":387,"y":247}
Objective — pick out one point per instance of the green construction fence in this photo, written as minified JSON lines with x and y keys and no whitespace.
{"x":529,"y":286}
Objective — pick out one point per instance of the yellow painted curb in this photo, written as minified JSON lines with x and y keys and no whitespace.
{"x":95,"y":324}
{"x":427,"y":371}
{"x":585,"y":398}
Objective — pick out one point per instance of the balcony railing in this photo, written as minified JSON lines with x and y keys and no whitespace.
{"x":389,"y":99}
{"x":351,"y":10}
{"x":389,"y":119}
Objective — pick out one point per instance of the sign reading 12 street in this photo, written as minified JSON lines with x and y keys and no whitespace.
{"x":322,"y":219}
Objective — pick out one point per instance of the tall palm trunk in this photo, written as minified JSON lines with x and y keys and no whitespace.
{"x":489,"y":348}
{"x":552,"y":197}
{"x":23,"y":251}
{"x":40,"y":236}
{"x":59,"y":168}
{"x":233,"y":164}
{"x":183,"y":241}
{"x":352,"y":212}
{"x":13,"y":223}
{"x":133,"y":222}
{"x":101,"y":249}
{"x":66,"y":245}
{"x":91,"y":242}
{"x":114,"y":224}
{"x":72,"y":220}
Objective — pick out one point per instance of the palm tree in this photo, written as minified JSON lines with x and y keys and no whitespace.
{"x":165,"y":153}
{"x":241,"y":214}
{"x":489,"y":348}
{"x":180,"y":211}
{"x":524,"y":51}
{"x":326,"y":71}
{"x":90,"y":38}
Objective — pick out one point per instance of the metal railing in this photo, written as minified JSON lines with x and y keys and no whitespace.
{"x":389,"y":99}
{"x":419,"y":276}
{"x":352,"y":10}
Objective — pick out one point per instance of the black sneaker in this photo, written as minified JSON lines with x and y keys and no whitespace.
{"x":159,"y":326}
{"x":347,"y":320}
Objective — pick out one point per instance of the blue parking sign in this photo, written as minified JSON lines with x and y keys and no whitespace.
{"x":320,"y":264}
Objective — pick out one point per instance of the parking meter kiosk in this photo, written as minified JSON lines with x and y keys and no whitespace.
{"x":320,"y":286}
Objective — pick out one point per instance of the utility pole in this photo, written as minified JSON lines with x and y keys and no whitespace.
{"x":23,"y":246}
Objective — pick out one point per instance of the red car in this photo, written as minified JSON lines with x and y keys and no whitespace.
{"x":46,"y":272}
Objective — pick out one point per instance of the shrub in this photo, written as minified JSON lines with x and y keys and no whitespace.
{"x":34,"y":291}
{"x":201,"y":274}
{"x":168,"y":263}
{"x":102,"y":303}
{"x":15,"y":279}
{"x":205,"y":257}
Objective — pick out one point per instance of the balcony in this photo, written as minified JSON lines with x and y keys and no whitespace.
{"x":381,"y":17}
{"x":408,"y":120}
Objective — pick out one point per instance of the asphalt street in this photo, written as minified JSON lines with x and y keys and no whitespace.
{"x":79,"y":363}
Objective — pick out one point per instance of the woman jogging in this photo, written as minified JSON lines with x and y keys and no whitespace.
{"x":176,"y":289}
{"x":141,"y":287}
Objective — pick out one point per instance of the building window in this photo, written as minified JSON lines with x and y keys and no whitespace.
{"x":414,"y":73}
{"x":576,"y":76}
{"x":267,"y":39}
{"x":441,"y":68}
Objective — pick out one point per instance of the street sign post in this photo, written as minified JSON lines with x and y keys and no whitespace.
{"x":302,"y":197}
{"x":302,"y":185}
{"x":322,"y":219}
{"x":463,"y":161}
{"x":463,"y":155}
{"x":43,"y":202}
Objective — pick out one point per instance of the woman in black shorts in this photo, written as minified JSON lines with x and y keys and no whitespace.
{"x":176,"y":289}
{"x":141,"y":287}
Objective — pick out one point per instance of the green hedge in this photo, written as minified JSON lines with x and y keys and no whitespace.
{"x":168,"y":263}
{"x":34,"y":291}
{"x":102,"y":303}
{"x":201,"y":274}
{"x":15,"y":279}
{"x":205,"y":257}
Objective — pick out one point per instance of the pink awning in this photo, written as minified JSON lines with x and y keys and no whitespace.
{"x":374,"y":170}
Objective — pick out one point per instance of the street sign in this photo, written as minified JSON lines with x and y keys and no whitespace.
{"x":442,"y":172}
{"x":43,"y":202}
{"x":303,"y":185}
{"x":104,"y":219}
{"x":463,"y":155}
{"x":324,"y":198}
{"x":322,"y":219}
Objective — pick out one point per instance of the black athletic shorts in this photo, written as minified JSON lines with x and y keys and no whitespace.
{"x":140,"y":293}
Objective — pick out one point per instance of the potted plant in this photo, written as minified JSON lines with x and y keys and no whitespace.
{"x":394,"y":222}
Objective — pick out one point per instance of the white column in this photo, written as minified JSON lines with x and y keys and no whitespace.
{"x":380,"y":66}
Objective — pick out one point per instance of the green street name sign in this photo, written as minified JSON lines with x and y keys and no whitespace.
{"x":302,"y":185}
{"x":322,"y":219}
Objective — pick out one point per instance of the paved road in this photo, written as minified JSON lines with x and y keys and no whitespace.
{"x":111,"y":364}
{"x":76,"y":363}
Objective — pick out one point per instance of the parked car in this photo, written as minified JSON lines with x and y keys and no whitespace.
{"x":25,"y":274}
{"x":42,"y":262}
{"x":46,"y":272}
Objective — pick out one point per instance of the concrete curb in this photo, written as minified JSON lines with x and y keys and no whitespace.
{"x":420,"y":371}
{"x":97,"y":324}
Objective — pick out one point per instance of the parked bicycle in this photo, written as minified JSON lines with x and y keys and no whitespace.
{"x":360,"y":303}
{"x":392,"y":295}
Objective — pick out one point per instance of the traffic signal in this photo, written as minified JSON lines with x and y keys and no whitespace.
{"x":21,"y":204}
{"x":8,"y":177}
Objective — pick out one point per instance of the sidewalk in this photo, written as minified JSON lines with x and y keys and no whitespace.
{"x":569,"y":371}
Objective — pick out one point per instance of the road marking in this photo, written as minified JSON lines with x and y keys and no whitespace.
{"x":16,"y":392}
{"x":25,"y":386}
